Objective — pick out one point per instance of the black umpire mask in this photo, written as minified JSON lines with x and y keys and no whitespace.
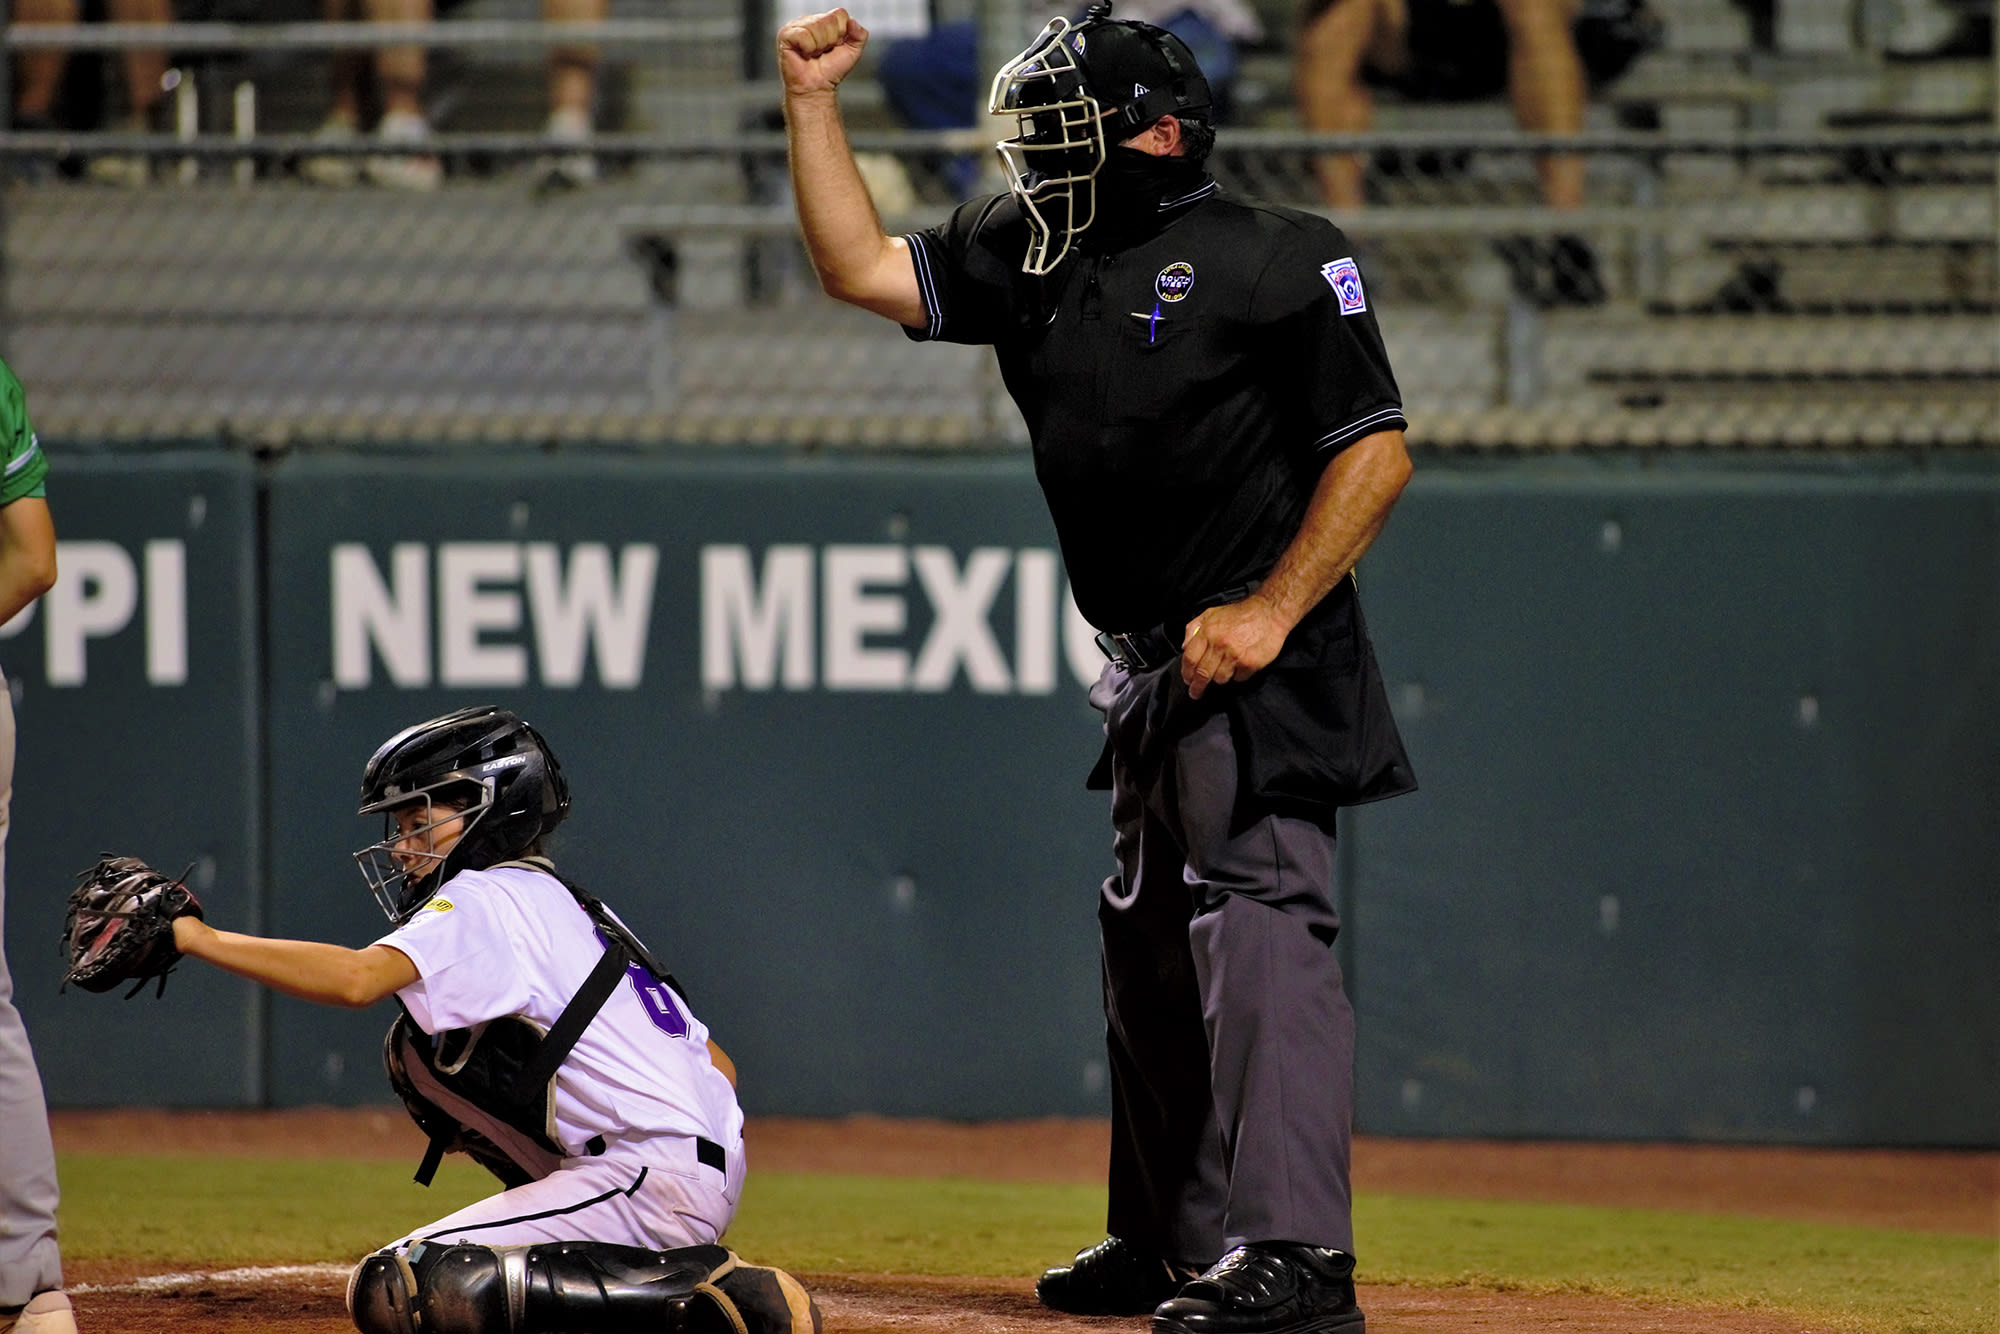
{"x":1131,"y":187}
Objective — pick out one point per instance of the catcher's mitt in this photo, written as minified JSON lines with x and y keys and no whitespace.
{"x":120,"y":926}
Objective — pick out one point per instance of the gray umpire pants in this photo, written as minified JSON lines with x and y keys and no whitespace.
{"x":1230,"y":1035}
{"x":28,"y":1260}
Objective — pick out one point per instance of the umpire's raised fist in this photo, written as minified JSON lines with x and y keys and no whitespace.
{"x":816,"y":52}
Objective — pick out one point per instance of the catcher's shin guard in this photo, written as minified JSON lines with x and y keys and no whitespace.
{"x":557,"y":1286}
{"x":381,"y":1295}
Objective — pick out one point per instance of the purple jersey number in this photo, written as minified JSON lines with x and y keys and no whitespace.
{"x":658,"y":998}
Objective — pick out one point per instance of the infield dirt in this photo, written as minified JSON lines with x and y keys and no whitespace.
{"x":1946,"y":1192}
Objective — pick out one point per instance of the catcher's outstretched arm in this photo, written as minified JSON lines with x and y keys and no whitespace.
{"x":307,"y":969}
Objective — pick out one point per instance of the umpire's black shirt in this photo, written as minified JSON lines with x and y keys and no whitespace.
{"x":1184,"y":381}
{"x":1185,"y":376}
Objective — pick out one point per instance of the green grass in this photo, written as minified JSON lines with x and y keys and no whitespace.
{"x":213,"y":1211}
{"x":180,"y":1210}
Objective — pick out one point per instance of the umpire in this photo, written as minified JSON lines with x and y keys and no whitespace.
{"x":1219,"y":438}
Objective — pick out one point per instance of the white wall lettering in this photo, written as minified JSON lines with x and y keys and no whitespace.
{"x":576,"y":607}
{"x":852,"y":614}
{"x":96,"y":592}
{"x":166,"y":613}
{"x":1035,"y":622}
{"x":467,"y":609}
{"x":474,"y":615}
{"x":395,"y":620}
{"x":612,"y":613}
{"x":961,"y":633}
{"x":742,"y":625}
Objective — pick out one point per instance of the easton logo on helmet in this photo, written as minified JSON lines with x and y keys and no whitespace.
{"x":1175,"y":281}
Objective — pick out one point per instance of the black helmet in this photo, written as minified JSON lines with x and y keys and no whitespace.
{"x":1076,"y":89}
{"x":492,"y":770}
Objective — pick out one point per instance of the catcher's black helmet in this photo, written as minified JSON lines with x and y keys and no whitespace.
{"x":489,"y":768}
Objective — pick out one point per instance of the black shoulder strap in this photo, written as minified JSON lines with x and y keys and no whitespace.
{"x":569,"y":1025}
{"x":443,"y":1129}
{"x":621,"y":950}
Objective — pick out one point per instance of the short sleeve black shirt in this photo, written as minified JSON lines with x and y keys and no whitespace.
{"x":1183,"y":393}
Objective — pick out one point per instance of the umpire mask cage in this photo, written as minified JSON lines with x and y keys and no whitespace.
{"x":481,"y":766}
{"x":1076,"y":89}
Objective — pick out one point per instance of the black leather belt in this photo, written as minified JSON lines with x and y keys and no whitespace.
{"x":1139,"y":652}
{"x":1143,"y":650}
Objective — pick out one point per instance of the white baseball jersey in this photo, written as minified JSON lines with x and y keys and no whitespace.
{"x":513,"y":941}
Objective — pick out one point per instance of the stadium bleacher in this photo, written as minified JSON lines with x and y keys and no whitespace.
{"x":1807,"y":259}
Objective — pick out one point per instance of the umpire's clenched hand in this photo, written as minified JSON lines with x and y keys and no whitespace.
{"x":1228,"y":643}
{"x":817,"y":51}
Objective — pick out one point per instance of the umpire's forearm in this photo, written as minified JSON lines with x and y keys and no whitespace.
{"x":307,"y":969}
{"x":843,"y":233}
{"x":1349,"y":506}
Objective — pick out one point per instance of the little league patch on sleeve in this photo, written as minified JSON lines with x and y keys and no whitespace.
{"x":1344,"y":276}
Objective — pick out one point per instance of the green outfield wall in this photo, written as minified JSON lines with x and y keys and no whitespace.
{"x":1708,"y":844}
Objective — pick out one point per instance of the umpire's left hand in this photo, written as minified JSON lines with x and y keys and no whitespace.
{"x":1229,"y":643}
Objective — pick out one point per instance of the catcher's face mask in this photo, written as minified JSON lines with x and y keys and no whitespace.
{"x":1052,"y":163}
{"x":419,"y":831}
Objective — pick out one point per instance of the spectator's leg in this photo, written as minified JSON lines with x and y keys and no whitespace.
{"x":572,"y":98}
{"x":1333,"y":47}
{"x":572,"y":69}
{"x":1545,"y":82}
{"x":345,"y":73}
{"x":347,"y":69}
{"x":145,"y":71}
{"x":400,"y":69}
{"x":39,"y":72}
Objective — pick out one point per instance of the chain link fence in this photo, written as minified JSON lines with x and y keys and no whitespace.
{"x":1740,"y":290}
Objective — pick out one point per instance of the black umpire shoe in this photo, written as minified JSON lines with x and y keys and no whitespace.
{"x":1113,"y":1277}
{"x":1271,"y":1287}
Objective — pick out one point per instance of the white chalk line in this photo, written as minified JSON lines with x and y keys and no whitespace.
{"x":228,"y":1277}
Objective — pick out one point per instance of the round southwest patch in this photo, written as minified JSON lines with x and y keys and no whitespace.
{"x":1175,"y":281}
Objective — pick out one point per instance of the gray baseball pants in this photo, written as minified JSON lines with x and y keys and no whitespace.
{"x":28,"y":1260}
{"x":1230,"y":1035}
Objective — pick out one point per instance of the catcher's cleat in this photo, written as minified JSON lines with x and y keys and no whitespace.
{"x":1114,"y":1277}
{"x":47,"y":1313}
{"x":1268,"y":1288}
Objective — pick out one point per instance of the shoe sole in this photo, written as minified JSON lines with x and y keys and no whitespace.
{"x":1100,"y":1309}
{"x":1349,"y":1322}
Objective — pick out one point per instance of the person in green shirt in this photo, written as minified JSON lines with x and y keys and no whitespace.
{"x":31,"y":1296}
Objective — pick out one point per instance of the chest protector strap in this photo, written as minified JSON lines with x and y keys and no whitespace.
{"x":489,"y":1091}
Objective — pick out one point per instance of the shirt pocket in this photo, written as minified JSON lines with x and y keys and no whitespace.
{"x":1152,"y":363}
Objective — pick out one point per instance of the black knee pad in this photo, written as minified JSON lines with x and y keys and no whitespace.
{"x":556,"y":1286}
{"x":463,"y":1289}
{"x":381,"y":1295}
{"x":597,"y":1286}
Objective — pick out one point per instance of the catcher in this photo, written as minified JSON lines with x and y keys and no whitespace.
{"x":536,"y":1033}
